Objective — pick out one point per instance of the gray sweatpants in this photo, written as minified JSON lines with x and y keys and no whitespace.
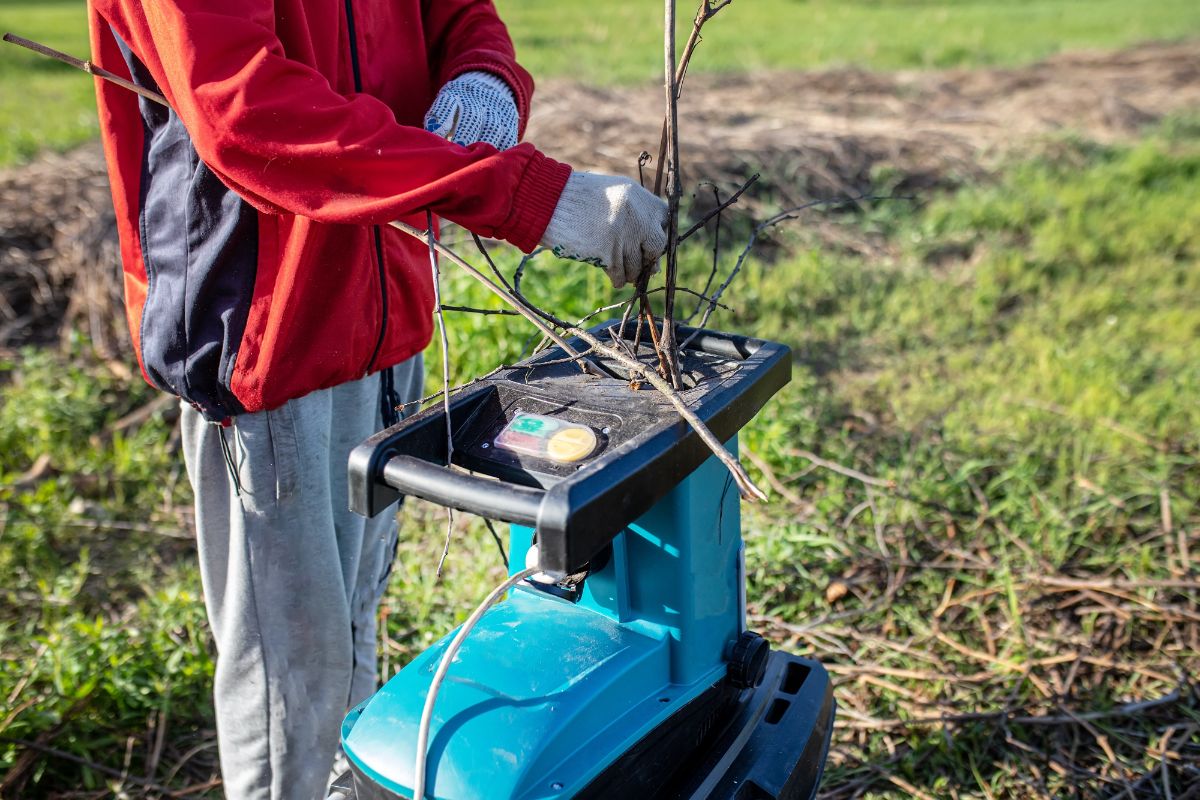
{"x":291,"y":581}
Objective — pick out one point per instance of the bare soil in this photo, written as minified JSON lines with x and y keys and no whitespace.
{"x":817,"y":134}
{"x":821,"y":133}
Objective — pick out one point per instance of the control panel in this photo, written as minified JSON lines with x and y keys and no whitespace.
{"x":576,"y":456}
{"x":548,"y":438}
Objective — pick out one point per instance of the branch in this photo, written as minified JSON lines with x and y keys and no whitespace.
{"x":716,"y":212}
{"x":666,"y":347}
{"x":745,"y":485}
{"x":86,"y":66}
{"x":445,"y":340}
{"x":782,"y":216}
{"x":488,"y":258}
{"x":849,"y":472}
{"x":534,"y":316}
{"x":503,"y":312}
{"x":716,"y":256}
{"x":704,"y":13}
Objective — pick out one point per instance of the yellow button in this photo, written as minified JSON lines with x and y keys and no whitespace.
{"x":571,"y":444}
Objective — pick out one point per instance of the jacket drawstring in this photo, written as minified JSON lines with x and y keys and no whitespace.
{"x":229,"y":461}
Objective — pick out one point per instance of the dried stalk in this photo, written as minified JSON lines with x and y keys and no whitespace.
{"x":668,"y":158}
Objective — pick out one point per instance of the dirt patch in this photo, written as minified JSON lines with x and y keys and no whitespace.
{"x":819,"y":134}
{"x":826,"y":133}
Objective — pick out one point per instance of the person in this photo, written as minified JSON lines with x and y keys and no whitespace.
{"x":264,"y":288}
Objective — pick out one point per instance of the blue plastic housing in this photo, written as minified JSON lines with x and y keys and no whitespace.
{"x":546,"y":693}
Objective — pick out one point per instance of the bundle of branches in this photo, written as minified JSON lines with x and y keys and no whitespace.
{"x":662,"y":369}
{"x":664,"y":375}
{"x":59,"y":258}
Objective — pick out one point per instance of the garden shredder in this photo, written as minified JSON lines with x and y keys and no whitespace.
{"x":623,"y":669}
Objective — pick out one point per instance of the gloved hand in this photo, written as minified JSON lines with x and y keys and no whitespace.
{"x":610,"y":222}
{"x":475,"y":107}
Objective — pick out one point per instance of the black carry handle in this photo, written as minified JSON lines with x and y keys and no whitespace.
{"x":493,"y":499}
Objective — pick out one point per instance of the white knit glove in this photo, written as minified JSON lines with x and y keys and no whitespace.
{"x":610,"y":222}
{"x":475,"y":107}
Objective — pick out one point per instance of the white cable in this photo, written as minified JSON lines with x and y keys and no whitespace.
{"x":441,"y":323}
{"x":440,"y":675}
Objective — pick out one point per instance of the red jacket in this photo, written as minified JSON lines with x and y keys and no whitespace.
{"x":256,"y":269}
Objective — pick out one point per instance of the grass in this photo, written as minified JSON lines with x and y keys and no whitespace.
{"x":1015,"y":373}
{"x":44,"y":104}
{"x":622,"y":40}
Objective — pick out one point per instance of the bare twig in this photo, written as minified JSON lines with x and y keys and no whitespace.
{"x":707,"y":10}
{"x":772,"y":479}
{"x":499,"y":542}
{"x":504,"y":294}
{"x":486,"y":312}
{"x":86,"y":66}
{"x":520,"y":273}
{"x":488,"y":258}
{"x":782,"y":216}
{"x":716,"y":212}
{"x":716,"y":257}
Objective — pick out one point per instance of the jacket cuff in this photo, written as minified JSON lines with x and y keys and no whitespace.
{"x":514,"y":76}
{"x":534,"y":201}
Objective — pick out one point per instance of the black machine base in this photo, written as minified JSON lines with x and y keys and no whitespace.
{"x":763,"y":743}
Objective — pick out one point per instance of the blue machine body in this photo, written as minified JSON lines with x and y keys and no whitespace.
{"x":546,"y":693}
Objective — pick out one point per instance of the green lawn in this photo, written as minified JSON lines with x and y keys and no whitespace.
{"x":43,"y":104}
{"x":621,"y":40}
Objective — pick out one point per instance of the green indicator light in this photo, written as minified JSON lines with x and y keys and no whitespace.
{"x":536,"y":426}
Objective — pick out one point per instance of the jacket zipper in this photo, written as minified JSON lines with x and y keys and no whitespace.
{"x":383,"y":296}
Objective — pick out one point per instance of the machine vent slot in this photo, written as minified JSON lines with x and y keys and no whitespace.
{"x":752,"y":791}
{"x":793,"y":678}
{"x":777,"y":710}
